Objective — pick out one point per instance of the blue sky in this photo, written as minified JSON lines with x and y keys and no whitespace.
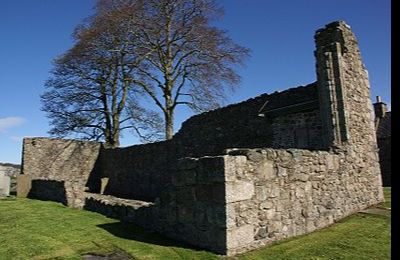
{"x":278,"y":32}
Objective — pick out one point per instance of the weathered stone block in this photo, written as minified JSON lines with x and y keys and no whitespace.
{"x":261,"y":193}
{"x":5,"y":182}
{"x":301,"y":177}
{"x":104,"y":183}
{"x":24,"y":183}
{"x":239,"y":237}
{"x":254,"y":156}
{"x":265,"y":170}
{"x":274,"y":192}
{"x":230,"y":215}
{"x":234,"y":166}
{"x":261,"y":233}
{"x":238,"y":191}
{"x":267,"y":205}
{"x":282,"y":171}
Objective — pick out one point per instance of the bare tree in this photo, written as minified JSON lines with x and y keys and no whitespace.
{"x":91,"y":91}
{"x":186,"y":60}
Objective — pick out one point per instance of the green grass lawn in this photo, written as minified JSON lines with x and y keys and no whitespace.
{"x":32,"y":229}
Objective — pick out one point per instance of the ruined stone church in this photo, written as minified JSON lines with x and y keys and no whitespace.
{"x":235,"y":178}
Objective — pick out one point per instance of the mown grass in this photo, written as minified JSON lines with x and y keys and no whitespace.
{"x":32,"y":229}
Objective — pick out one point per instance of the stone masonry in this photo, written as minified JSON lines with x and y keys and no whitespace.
{"x":237,"y":178}
{"x":383,"y":126}
{"x":5,"y":182}
{"x":8,"y":174}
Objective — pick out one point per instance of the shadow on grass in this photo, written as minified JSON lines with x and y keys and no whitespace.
{"x":132,"y":232}
{"x":117,"y":254}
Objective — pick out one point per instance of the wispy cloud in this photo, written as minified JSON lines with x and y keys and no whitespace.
{"x":16,"y":139}
{"x":9,"y":122}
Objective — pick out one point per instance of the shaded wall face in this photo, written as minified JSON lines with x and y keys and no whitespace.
{"x":140,"y":172}
{"x":288,"y":119}
{"x":193,"y":209}
{"x":298,"y":130}
{"x":385,"y":160}
{"x":48,"y":190}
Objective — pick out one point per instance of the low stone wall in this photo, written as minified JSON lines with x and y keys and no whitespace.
{"x":138,"y":212}
{"x":286,"y":193}
{"x":9,"y":169}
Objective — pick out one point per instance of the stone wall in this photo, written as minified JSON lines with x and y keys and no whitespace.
{"x":192,"y":209}
{"x":241,"y":126}
{"x":233,"y":200}
{"x":47,"y":189}
{"x":66,"y":164}
{"x":344,"y":95}
{"x":383,"y":125}
{"x":285,"y":193}
{"x":139,"y":172}
{"x":300,"y":130}
{"x":11,"y":170}
{"x":5,"y":183}
{"x":290,"y":119}
{"x":344,"y":90}
{"x":385,"y":160}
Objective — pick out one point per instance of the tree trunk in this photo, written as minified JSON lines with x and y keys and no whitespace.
{"x":169,"y":124}
{"x":116,"y":139}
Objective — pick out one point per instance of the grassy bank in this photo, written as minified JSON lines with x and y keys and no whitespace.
{"x":32,"y":229}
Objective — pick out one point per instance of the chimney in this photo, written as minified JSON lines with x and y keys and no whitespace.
{"x":380,"y":108}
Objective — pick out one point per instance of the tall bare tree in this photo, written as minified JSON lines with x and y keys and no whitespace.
{"x":186,"y":60}
{"x":91,"y":91}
